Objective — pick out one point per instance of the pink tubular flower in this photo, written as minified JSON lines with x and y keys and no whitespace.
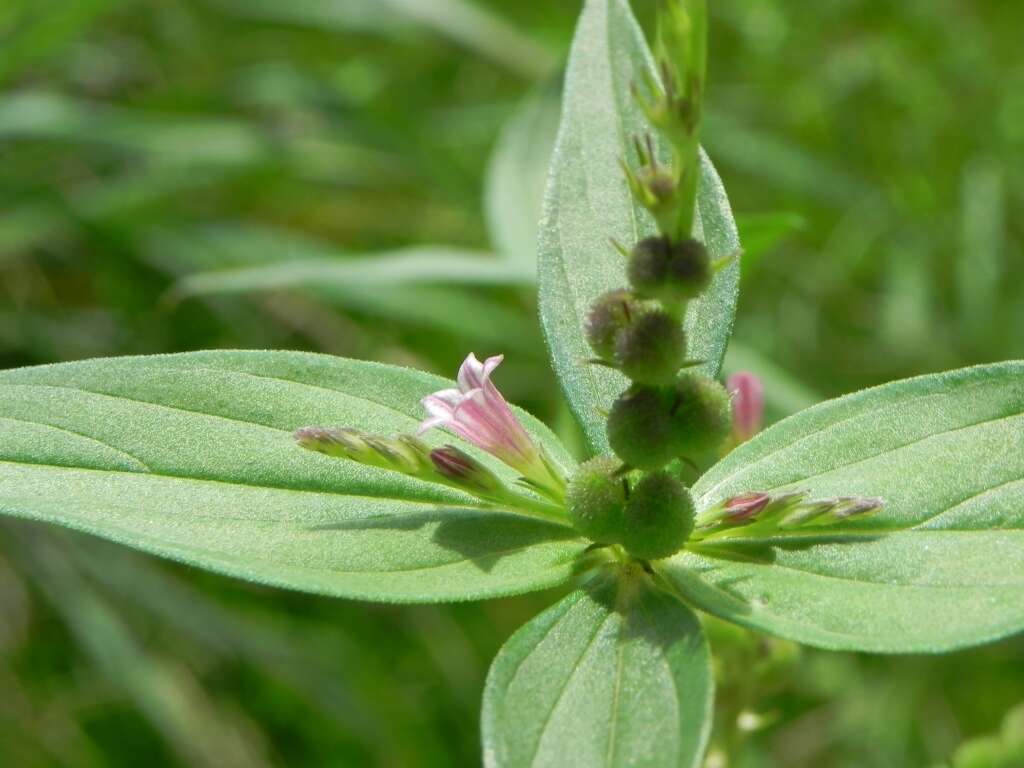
{"x":477,"y":412}
{"x":747,"y":405}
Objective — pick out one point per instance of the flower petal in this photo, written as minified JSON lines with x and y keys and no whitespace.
{"x":471,"y":373}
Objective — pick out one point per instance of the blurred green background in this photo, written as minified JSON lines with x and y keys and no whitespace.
{"x":362,"y":178}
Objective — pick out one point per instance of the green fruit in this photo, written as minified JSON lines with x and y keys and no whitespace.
{"x":608,"y":315}
{"x":651,"y":349}
{"x":596,"y":498}
{"x":701,"y":414}
{"x":641,"y":429}
{"x":659,"y":517}
{"x":673,"y":272}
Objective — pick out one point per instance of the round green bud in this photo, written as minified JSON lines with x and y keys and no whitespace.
{"x":609,"y":314}
{"x":659,"y":517}
{"x":701,"y":414}
{"x":652,"y":348}
{"x":641,"y":429}
{"x":662,"y":269}
{"x":659,"y":181}
{"x":596,"y":498}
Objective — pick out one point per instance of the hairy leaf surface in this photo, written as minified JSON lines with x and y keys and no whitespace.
{"x":942,"y":566}
{"x":191,"y":457}
{"x":615,"y":675}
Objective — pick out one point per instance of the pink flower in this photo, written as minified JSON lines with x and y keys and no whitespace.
{"x":747,"y":405}
{"x":477,"y":412}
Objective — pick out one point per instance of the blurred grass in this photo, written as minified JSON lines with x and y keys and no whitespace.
{"x":183,"y":175}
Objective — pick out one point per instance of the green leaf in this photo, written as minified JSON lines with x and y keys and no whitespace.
{"x":616,"y":675}
{"x":241,"y":259}
{"x":940,"y":567}
{"x":163,"y":138}
{"x":588,"y":202}
{"x":191,"y":457}
{"x":419,"y":264}
{"x":467,"y":23}
{"x":517,"y":174}
{"x":417,"y":286}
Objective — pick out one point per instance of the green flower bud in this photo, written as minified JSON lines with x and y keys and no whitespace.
{"x":701,"y":414}
{"x":608,"y":315}
{"x":655,"y":187}
{"x":462,"y":470}
{"x":596,"y":498}
{"x":650,"y":426}
{"x":404,"y":453}
{"x":669,"y":271}
{"x":652,"y":348}
{"x":659,"y":517}
{"x":343,"y":442}
{"x":641,"y":428}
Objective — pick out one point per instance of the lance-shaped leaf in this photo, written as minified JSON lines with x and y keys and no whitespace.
{"x":588,"y":201}
{"x":191,"y":457}
{"x":941,"y":566}
{"x":517,"y":175}
{"x":616,"y":675}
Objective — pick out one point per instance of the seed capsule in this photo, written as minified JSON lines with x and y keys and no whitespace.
{"x":659,"y":517}
{"x":608,"y":315}
{"x":641,"y":427}
{"x":652,"y":348}
{"x":700,"y":414}
{"x":670,"y":271}
{"x":596,"y":498}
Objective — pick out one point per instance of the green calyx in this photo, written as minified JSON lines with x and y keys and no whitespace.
{"x":596,"y":499}
{"x":652,"y":348}
{"x":659,"y":517}
{"x":644,"y":341}
{"x":670,"y":271}
{"x":650,"y":426}
{"x":701,"y":414}
{"x":640,"y":427}
{"x":609,"y":314}
{"x":650,"y":517}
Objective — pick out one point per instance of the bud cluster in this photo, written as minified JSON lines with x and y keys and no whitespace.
{"x":408,"y":455}
{"x":780,"y":513}
{"x":651,"y":516}
{"x":668,"y":412}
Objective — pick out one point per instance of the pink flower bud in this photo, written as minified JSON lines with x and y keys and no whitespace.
{"x":747,"y":405}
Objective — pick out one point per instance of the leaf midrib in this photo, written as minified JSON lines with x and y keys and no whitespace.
{"x":577,"y":665}
{"x":256,"y":486}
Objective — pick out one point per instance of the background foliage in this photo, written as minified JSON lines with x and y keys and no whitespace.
{"x":165,"y":166}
